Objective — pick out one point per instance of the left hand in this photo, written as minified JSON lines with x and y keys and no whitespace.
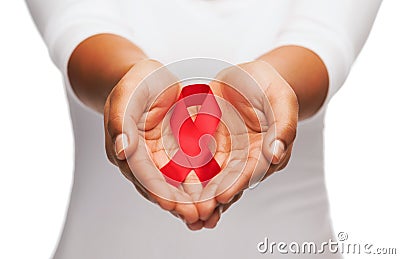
{"x":269,"y":109}
{"x":133,"y":117}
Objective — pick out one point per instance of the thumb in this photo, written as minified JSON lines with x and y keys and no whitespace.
{"x":121,"y":126}
{"x":129,"y":100}
{"x":124,"y":108}
{"x":281,"y":111}
{"x":125,"y":143}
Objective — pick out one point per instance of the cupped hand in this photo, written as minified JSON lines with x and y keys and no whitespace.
{"x":253,"y":140}
{"x":133,"y":116}
{"x":268,"y":107}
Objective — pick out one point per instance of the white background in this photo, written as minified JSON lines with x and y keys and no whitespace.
{"x":36,"y":159}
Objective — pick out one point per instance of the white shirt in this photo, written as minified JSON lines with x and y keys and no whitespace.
{"x":106,"y":217}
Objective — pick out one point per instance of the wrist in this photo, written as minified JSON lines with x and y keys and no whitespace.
{"x":97,"y":64}
{"x":267,"y":68}
{"x":306,"y":74}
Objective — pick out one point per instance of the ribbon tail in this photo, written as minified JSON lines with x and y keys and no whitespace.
{"x":174,"y":174}
{"x":208,"y":171}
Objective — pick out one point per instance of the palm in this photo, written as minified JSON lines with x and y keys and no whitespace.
{"x":239,"y":141}
{"x":155,"y":144}
{"x":159,"y":143}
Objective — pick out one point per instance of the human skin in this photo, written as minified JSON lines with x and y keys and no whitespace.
{"x":105,"y":69}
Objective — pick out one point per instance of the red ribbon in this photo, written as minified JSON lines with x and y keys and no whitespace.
{"x":193,"y":136}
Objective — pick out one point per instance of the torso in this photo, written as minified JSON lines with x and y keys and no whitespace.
{"x":107,"y":218}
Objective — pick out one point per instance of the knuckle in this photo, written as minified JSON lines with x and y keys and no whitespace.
{"x":227,"y":196}
{"x":117,"y":92}
{"x":289,"y":131}
{"x":114,"y":124}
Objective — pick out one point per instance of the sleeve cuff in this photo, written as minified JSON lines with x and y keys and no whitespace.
{"x":73,"y":26}
{"x":336,"y":54}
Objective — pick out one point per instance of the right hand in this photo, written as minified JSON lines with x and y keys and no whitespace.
{"x":133,"y":116}
{"x":268,"y":109}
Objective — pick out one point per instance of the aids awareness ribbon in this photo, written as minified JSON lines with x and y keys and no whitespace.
{"x":193,"y":137}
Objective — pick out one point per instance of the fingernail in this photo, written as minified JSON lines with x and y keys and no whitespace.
{"x":121,"y":143}
{"x":278,"y":151}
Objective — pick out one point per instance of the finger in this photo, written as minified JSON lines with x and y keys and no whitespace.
{"x":144,"y":171}
{"x":285,"y":160}
{"x":198,"y":225}
{"x":214,"y":218}
{"x":239,"y":179}
{"x":183,"y":206}
{"x":164,"y":197}
{"x":208,"y":201}
{"x":281,"y":108}
{"x":167,"y":196}
{"x":192,"y":186}
{"x":171,"y":199}
{"x":237,"y":197}
{"x":206,"y":206}
{"x":187,"y":211}
{"x":260,"y":175}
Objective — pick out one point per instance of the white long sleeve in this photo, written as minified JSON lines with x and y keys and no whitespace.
{"x":335,"y":30}
{"x":63,"y":24}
